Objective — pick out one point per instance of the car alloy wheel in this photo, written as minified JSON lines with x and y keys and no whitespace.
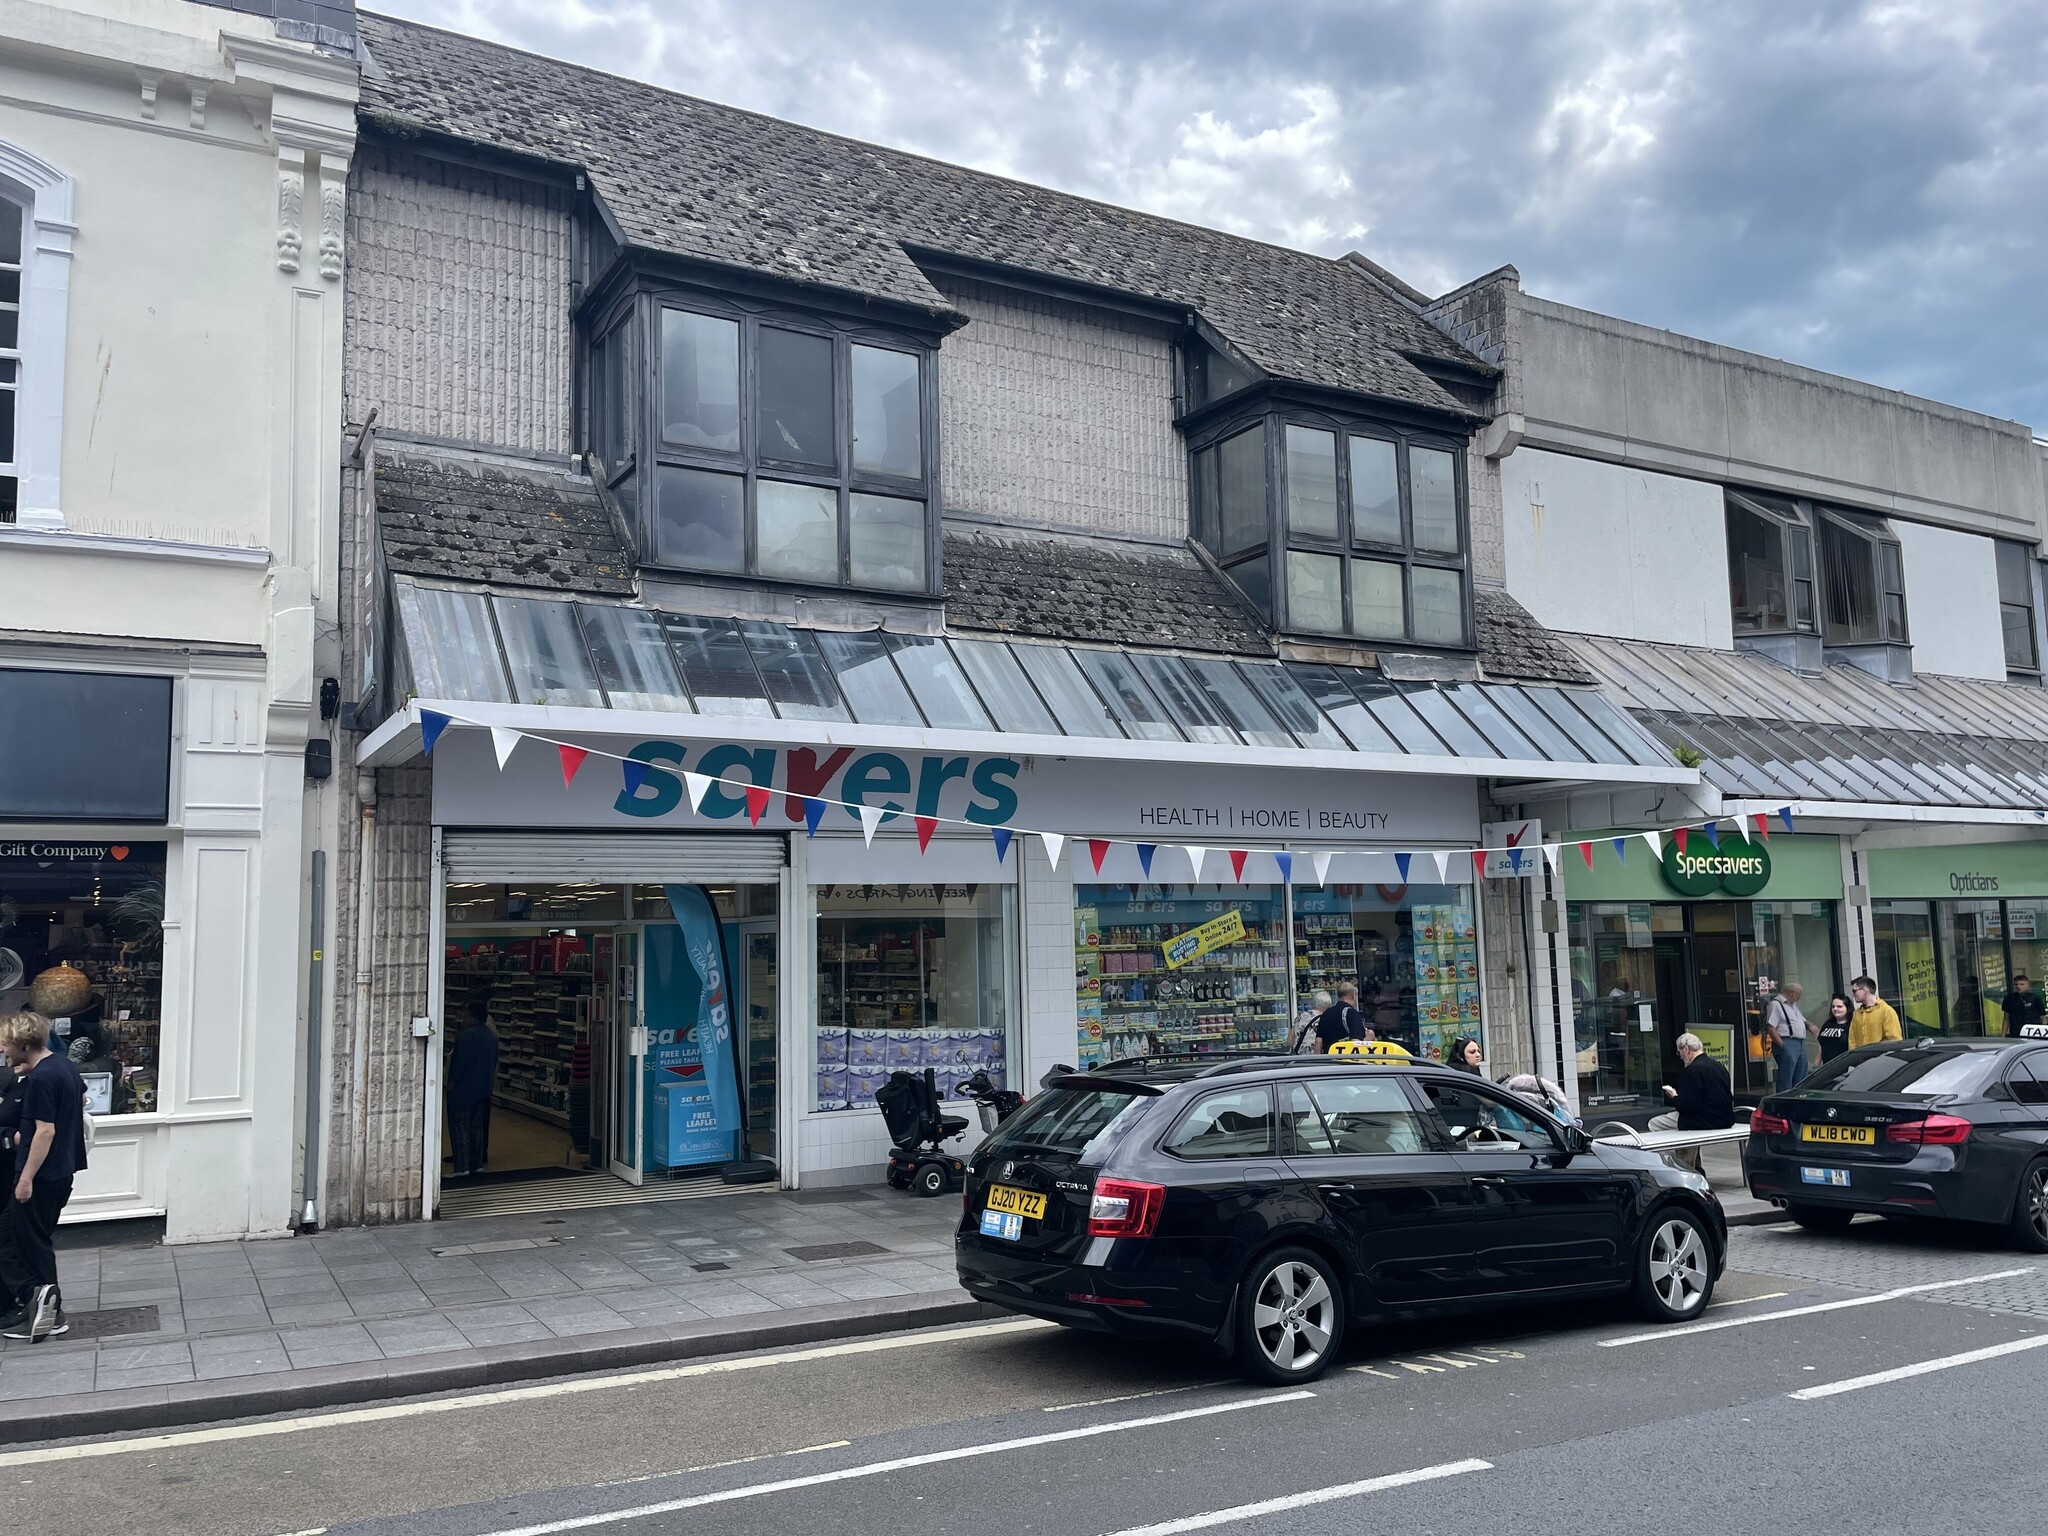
{"x":2030,"y":1218}
{"x":1294,"y":1317}
{"x":1678,"y":1266}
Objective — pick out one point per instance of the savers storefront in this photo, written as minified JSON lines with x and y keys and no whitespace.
{"x":1700,"y":939}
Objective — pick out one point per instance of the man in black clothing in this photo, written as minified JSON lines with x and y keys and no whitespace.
{"x":49,"y":1152}
{"x":2022,"y":1005}
{"x":1342,"y":1020}
{"x":1704,"y":1099}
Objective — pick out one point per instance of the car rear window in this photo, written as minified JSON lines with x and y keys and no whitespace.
{"x":1071,"y":1122}
{"x":1915,"y":1071}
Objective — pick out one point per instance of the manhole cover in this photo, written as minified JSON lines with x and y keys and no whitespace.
{"x":817,"y":1251}
{"x":115,"y":1320}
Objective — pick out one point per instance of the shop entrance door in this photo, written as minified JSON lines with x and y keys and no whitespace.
{"x":1718,"y":1016}
{"x":629,"y":1049}
{"x":757,"y":976}
{"x":1671,"y":960}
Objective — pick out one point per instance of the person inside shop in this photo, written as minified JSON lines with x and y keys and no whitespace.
{"x":1834,"y":1027}
{"x":1874,"y":1018}
{"x":2023,"y":1005}
{"x":1787,"y":1022}
{"x":1465,"y":1056}
{"x":1342,"y":1020}
{"x":472,"y":1079}
{"x":1704,"y":1099}
{"x":1306,"y":1041}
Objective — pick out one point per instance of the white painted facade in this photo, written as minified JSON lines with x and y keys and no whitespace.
{"x":1952,"y":601}
{"x":183,"y":169}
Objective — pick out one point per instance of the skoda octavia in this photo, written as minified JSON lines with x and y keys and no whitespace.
{"x":1262,"y":1205}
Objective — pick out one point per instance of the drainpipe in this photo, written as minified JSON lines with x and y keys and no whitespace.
{"x":309,"y":1214}
{"x":366,"y":880}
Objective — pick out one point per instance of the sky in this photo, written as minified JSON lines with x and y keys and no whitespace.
{"x":1858,"y":187}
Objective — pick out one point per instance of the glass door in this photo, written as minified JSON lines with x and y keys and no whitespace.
{"x":628,"y":1052}
{"x":759,"y":975}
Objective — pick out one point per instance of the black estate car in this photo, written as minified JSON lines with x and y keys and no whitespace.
{"x":1259,"y":1205}
{"x":1953,"y":1129}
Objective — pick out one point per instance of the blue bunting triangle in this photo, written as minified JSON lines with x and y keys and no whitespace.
{"x":1713,"y":834}
{"x":1620,"y":848}
{"x":1002,"y":837}
{"x":1401,"y":862}
{"x":432,"y":724}
{"x":1286,"y":863}
{"x":814,"y":812}
{"x":634,"y":772}
{"x":1145,"y":852}
{"x":1785,"y":815}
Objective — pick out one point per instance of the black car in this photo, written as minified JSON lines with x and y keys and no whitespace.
{"x":1951,"y":1129}
{"x":1259,"y":1205}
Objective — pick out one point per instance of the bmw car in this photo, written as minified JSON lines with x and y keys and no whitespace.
{"x":1259,"y":1206}
{"x":1954,"y":1130}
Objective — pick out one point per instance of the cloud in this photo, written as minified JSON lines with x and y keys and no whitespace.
{"x":1861,"y":187}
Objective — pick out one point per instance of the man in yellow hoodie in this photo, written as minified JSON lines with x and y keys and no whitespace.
{"x":1874,"y":1019}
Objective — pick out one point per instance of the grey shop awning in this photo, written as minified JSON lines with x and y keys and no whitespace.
{"x":504,"y":656}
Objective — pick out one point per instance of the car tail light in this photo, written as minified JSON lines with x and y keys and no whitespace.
{"x":1125,"y":1208}
{"x":1761,"y":1124}
{"x":1934,"y":1131}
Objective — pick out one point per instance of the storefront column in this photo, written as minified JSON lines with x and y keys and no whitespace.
{"x":1858,"y":926}
{"x":797,"y":1005}
{"x":1046,"y":896}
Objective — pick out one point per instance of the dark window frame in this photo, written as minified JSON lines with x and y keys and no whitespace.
{"x":1872,"y":538}
{"x":635,"y":479}
{"x":2015,"y":568}
{"x":1795,"y":545}
{"x":1807,"y":530}
{"x":1347,"y":546}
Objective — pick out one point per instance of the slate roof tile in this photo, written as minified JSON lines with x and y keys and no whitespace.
{"x":468,"y":522}
{"x":1512,"y":644}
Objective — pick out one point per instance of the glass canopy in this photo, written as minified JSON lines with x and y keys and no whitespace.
{"x":467,"y":646}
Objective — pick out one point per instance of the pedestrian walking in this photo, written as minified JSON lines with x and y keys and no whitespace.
{"x":1704,"y":1099}
{"x":1788,"y":1034}
{"x":1834,"y":1028}
{"x":1342,"y":1020}
{"x":1465,"y":1056}
{"x":2023,"y":1005}
{"x":49,"y":1152}
{"x":1306,"y":1041}
{"x":472,"y":1079}
{"x":1874,"y":1019}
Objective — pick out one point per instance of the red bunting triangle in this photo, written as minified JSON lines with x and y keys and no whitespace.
{"x":1586,"y":853}
{"x":758,"y":796}
{"x":1098,"y":849}
{"x":926,"y":826}
{"x":1479,"y":862}
{"x":1763,"y":825}
{"x":572,"y":759}
{"x":1237,"y":858}
{"x":1678,"y":835}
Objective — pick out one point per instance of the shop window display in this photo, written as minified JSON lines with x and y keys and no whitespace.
{"x":1178,"y":969}
{"x":82,"y":942}
{"x":909,"y":977}
{"x":1413,"y":950}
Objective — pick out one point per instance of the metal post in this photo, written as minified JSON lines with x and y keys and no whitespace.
{"x":309,"y":1213}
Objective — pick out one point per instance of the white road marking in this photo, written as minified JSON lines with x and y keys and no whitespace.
{"x":1825,"y":1306}
{"x":1923,"y":1368}
{"x":1743,"y":1301}
{"x":1132,"y":1397}
{"x":1304,"y":1500}
{"x":898,"y":1464}
{"x":573,"y":1386}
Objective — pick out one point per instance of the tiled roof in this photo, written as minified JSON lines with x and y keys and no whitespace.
{"x":444,"y":517}
{"x":1512,"y":644}
{"x":696,"y":179}
{"x":1093,"y":591}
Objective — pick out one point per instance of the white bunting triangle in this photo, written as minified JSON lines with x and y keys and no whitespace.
{"x":697,"y":784}
{"x":870,"y":818}
{"x":1443,"y":866}
{"x":1551,"y":853}
{"x":1195,"y":854}
{"x":1656,"y":842}
{"x":503,"y":740}
{"x":1054,"y":842}
{"x":1322,"y":862}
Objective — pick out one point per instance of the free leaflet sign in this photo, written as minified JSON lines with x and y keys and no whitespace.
{"x":1736,"y":868}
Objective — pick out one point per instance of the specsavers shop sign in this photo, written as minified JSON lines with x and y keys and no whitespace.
{"x":1735,"y":868}
{"x":1142,"y":801}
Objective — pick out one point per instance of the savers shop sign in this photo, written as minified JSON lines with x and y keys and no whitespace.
{"x":1734,"y":869}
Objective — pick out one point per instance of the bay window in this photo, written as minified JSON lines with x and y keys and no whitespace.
{"x":1770,"y":566}
{"x":1863,"y":580}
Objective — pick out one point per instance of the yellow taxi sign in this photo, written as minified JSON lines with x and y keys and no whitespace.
{"x":1385,"y":1050}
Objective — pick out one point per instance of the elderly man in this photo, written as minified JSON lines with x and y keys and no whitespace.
{"x":1704,"y":1100}
{"x":1788,"y":1034}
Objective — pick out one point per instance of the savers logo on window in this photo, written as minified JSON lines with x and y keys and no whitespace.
{"x":1735,"y":868}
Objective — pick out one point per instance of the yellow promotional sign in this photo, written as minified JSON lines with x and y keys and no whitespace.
{"x":1197,"y":942}
{"x":1919,"y":999}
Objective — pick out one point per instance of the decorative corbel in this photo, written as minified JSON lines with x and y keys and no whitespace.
{"x":148,"y":80}
{"x":198,"y":104}
{"x":333,"y":193}
{"x":291,"y":200}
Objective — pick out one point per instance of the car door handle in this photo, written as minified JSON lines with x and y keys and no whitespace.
{"x":1488,"y":1181}
{"x":1337,"y":1189}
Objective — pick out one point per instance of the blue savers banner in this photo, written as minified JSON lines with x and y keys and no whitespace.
{"x":693,"y":1101}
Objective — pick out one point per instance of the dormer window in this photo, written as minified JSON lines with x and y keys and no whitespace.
{"x":1339,"y":528}
{"x":783,"y":447}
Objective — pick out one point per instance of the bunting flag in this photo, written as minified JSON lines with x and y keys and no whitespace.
{"x":634,"y":772}
{"x":1763,"y":825}
{"x":814,"y":812}
{"x":1586,"y":852}
{"x":1621,"y":849}
{"x":697,"y":784}
{"x":1515,"y":860}
{"x":1098,"y":849}
{"x":1713,"y":835}
{"x":1195,"y":854}
{"x":1785,"y":815}
{"x":1552,"y":852}
{"x":504,"y":740}
{"x":1656,"y":844}
{"x":926,"y":826}
{"x":1679,"y":835}
{"x":1237,"y":858}
{"x":870,"y":818}
{"x":1002,"y":836}
{"x":1401,"y":862}
{"x":572,"y":759}
{"x":1322,"y":864}
{"x":1054,"y":842}
{"x":1286,"y":862}
{"x":758,"y":796}
{"x":1443,"y":866}
{"x":432,"y":724}
{"x":1479,"y":863}
{"x":1145,"y":852}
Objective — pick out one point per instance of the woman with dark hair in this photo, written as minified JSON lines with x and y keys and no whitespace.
{"x":1834,"y":1027}
{"x":1464,"y":1055}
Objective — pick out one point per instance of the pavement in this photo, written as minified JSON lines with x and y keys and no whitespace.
{"x":167,"y":1335}
{"x":1820,"y":1394}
